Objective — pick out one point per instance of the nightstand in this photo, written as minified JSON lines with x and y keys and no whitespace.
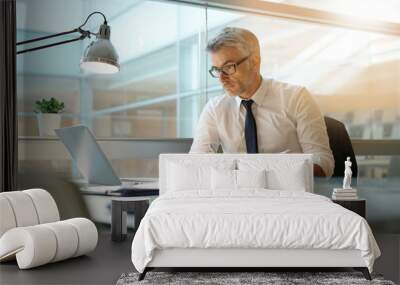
{"x":357,"y":206}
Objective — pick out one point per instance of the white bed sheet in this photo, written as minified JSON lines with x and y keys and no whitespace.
{"x":252,"y":218}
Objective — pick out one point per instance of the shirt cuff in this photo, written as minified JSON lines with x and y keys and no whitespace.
{"x":327,"y":164}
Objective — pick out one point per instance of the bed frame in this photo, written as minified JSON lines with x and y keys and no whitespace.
{"x":261,"y":259}
{"x":255,"y":260}
{"x":248,"y":259}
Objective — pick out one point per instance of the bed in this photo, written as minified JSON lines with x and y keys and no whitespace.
{"x":245,"y":211}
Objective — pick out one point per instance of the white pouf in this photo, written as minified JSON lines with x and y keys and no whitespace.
{"x":87,"y":233}
{"x":67,"y":237}
{"x":7,"y":219}
{"x":46,"y":207}
{"x":31,"y":232}
{"x":24,"y":211}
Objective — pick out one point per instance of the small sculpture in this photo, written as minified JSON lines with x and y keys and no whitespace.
{"x":347,"y":174}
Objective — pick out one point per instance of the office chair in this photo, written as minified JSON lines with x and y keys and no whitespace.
{"x":341,"y":147}
{"x":394,"y":167}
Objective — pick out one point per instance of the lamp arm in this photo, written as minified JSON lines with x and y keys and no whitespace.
{"x":47,"y":37}
{"x":53,"y":44}
{"x":84,"y":34}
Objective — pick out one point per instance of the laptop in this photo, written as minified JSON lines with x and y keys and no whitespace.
{"x":94,"y":165}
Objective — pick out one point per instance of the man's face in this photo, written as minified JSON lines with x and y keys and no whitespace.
{"x":237,"y":83}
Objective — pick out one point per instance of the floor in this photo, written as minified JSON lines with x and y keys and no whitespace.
{"x":111,"y":259}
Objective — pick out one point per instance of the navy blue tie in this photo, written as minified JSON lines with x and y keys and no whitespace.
{"x":250,"y":129}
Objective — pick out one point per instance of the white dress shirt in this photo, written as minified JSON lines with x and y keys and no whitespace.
{"x":287,"y":119}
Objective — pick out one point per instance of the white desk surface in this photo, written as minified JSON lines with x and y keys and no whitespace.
{"x":143,"y":183}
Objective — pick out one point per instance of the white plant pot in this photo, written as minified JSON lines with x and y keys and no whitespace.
{"x":47,"y":123}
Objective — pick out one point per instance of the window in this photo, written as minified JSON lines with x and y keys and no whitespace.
{"x":163,"y":83}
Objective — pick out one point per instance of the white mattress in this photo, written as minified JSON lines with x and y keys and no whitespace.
{"x":256,"y":218}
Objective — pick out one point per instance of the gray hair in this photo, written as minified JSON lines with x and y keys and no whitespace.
{"x":238,"y":38}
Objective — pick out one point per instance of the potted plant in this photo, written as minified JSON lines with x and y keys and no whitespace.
{"x":48,"y":114}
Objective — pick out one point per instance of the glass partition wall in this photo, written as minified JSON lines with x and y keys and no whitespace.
{"x":163,"y":83}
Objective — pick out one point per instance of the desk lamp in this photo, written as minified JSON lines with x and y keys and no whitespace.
{"x":99,"y":56}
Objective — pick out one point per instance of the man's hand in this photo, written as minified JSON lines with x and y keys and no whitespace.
{"x":318,"y":171}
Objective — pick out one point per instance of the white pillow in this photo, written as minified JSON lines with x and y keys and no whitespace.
{"x":182,"y":178}
{"x":189,"y":176}
{"x":293,"y":180}
{"x":291,"y":175}
{"x":251,"y":178}
{"x":225,"y":179}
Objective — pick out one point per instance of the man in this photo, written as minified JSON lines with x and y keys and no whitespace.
{"x":258,"y":115}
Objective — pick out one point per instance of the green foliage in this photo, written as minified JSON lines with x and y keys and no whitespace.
{"x":49,"y":106}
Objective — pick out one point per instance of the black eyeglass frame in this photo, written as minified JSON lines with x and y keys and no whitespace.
{"x":221,"y":69}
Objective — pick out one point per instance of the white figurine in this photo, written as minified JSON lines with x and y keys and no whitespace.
{"x":347,"y":174}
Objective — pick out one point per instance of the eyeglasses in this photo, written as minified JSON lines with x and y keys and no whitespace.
{"x":227,"y":69}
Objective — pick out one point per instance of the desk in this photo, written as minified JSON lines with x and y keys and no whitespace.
{"x":134,"y":199}
{"x":120,"y":206}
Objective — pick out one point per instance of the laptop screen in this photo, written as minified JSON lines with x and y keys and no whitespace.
{"x":88,"y":156}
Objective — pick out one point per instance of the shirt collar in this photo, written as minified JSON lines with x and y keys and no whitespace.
{"x":258,"y":96}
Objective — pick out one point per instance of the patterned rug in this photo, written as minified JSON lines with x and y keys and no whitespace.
{"x":244,"y":278}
